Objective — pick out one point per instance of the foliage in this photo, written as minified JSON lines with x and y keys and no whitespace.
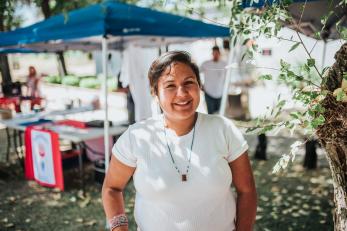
{"x":58,"y":7}
{"x":8,"y":19}
{"x":306,"y":81}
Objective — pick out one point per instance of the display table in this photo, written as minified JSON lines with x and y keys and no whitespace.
{"x":47,"y":121}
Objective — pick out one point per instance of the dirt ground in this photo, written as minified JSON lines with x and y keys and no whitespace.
{"x":294,"y":200}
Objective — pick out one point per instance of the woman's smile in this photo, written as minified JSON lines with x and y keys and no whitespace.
{"x":179,"y":92}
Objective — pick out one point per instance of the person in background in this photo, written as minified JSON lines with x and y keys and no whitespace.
{"x":214,"y":75}
{"x":183,"y":162}
{"x":32,"y":83}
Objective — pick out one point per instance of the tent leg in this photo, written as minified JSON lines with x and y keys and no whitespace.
{"x":324,"y":53}
{"x":226,"y":88}
{"x":104,"y":92}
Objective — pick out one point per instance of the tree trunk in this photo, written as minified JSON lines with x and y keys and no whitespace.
{"x":46,"y":10}
{"x":333,"y":136}
{"x":334,"y":151}
{"x":62,"y":61}
{"x":5,"y":69}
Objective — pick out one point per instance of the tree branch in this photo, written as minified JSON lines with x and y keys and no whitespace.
{"x":309,"y":54}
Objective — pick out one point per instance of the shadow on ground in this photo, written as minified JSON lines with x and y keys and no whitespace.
{"x":294,"y":200}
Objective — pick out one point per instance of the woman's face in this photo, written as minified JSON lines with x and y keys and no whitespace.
{"x":178,"y":92}
{"x":32,"y":71}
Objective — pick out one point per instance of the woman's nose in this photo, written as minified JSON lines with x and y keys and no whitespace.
{"x":182,"y":90}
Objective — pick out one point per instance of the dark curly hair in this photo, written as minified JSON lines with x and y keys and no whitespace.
{"x":165,"y":60}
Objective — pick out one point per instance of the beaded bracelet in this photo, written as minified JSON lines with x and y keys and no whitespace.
{"x":117,"y":221}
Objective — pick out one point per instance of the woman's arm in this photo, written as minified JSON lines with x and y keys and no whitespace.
{"x":246,"y":193}
{"x":115,"y":181}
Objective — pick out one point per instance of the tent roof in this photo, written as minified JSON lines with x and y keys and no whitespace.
{"x":16,"y":50}
{"x":111,"y":18}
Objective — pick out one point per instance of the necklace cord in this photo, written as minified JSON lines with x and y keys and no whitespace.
{"x":190,"y":152}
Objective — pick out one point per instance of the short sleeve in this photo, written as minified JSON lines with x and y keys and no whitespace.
{"x":202,"y":67}
{"x":122,"y":149}
{"x":236,"y":143}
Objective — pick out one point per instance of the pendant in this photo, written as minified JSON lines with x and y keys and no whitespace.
{"x":184,"y":177}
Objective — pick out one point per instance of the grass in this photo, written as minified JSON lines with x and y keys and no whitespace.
{"x":294,"y":200}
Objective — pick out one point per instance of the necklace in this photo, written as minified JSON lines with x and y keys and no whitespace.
{"x":183,"y":176}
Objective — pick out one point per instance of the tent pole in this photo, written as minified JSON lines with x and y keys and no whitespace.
{"x":226,"y":87}
{"x":324,"y":53}
{"x":104,"y":89}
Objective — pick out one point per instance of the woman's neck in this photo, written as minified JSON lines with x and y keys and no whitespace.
{"x":181,"y":127}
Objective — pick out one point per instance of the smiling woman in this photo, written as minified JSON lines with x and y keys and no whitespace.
{"x":183,"y":163}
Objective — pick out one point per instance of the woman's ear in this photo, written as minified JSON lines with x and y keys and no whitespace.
{"x":156,"y":98}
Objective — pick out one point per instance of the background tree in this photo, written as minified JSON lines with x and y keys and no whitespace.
{"x":324,"y":97}
{"x":8,"y":21}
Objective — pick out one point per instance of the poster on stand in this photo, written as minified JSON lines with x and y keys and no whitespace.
{"x":43,"y":158}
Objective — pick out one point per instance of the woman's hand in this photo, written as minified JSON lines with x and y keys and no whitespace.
{"x":117,"y":177}
{"x":246,"y":193}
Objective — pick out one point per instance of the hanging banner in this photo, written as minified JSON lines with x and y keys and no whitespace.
{"x":43,"y":158}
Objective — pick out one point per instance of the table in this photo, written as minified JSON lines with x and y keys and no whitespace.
{"x":76,"y":135}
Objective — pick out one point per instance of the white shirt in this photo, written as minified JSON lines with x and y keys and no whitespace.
{"x":214,"y":75}
{"x":134,"y":70}
{"x":205,"y":201}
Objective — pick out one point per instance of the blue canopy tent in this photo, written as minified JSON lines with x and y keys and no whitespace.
{"x":111,"y":18}
{"x":16,"y":50}
{"x":111,"y":22}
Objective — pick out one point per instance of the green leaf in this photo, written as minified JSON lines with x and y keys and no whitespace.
{"x":318,"y":108}
{"x":281,"y":103}
{"x":267,"y":30}
{"x":345,"y":75}
{"x":311,"y":62}
{"x":340,"y":95}
{"x":265,"y":77}
{"x":317,"y":121}
{"x":251,"y":129}
{"x":295,"y":115}
{"x":267,"y":128}
{"x":294,"y":46}
{"x":235,"y":40}
{"x":327,"y":68}
{"x":306,"y":68}
{"x":245,"y":41}
{"x":317,"y":35}
{"x":299,"y":78}
{"x":284,"y":65}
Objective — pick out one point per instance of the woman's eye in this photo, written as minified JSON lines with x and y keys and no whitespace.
{"x":189,"y":82}
{"x":170,"y":86}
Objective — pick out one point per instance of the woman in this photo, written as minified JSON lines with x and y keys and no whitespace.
{"x":32,"y":83}
{"x":182,"y":163}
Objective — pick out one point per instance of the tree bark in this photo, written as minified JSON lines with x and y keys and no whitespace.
{"x":46,"y":10}
{"x":5,"y":69}
{"x":62,"y":61}
{"x":4,"y":66}
{"x":333,"y":136}
{"x":334,"y":151}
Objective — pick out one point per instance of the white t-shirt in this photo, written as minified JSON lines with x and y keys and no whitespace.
{"x":214,"y":76}
{"x":135,"y":65}
{"x":205,"y":201}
